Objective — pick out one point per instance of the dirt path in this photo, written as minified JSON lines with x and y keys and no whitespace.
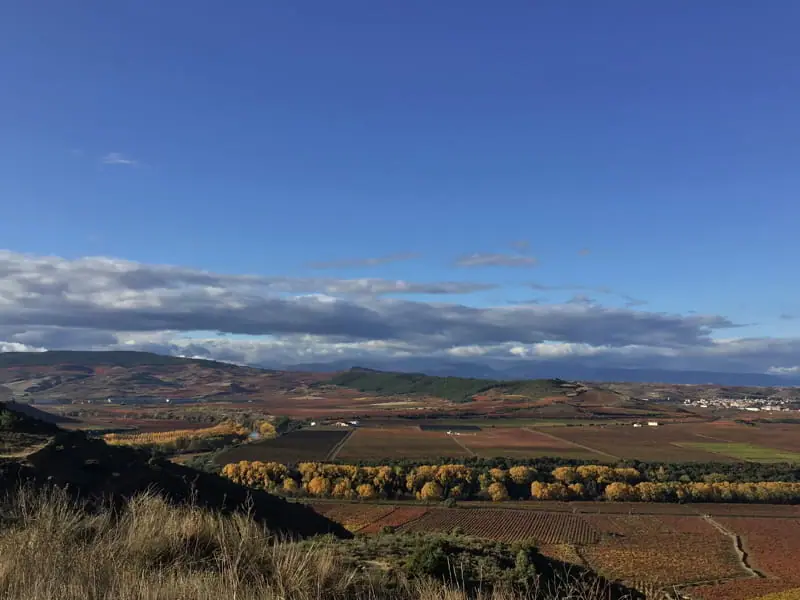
{"x":744,"y":558}
{"x":460,"y":443}
{"x":577,"y":445}
{"x":338,"y":447}
{"x":716,"y":439}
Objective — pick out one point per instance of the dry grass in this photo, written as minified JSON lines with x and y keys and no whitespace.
{"x":51,"y":549}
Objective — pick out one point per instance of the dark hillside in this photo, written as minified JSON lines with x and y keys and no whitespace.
{"x":95,"y":472}
{"x":120,"y":358}
{"x":36,"y":414}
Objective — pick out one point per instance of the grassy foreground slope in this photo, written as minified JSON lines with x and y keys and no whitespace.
{"x":52,"y":548}
{"x":456,"y":389}
{"x":83,"y":520}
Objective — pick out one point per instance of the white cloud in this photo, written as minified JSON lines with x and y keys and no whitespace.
{"x":100,"y":303}
{"x":17,"y":347}
{"x":116,"y":158}
{"x":496,"y":260}
{"x":784,"y":370}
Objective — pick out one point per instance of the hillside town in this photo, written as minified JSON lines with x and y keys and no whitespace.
{"x":748,"y":404}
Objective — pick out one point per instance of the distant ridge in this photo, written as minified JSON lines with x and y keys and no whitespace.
{"x":509,"y":371}
{"x":122,"y":358}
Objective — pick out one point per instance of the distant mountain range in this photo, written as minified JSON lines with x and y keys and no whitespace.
{"x":145,"y":373}
{"x":571,"y":372}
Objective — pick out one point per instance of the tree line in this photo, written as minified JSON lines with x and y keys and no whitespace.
{"x":520,"y":482}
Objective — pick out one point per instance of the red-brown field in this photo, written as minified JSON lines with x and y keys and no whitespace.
{"x":667,"y":550}
{"x":399,"y":516}
{"x":370,"y":443}
{"x":775,"y":511}
{"x":521,"y":443}
{"x":773,"y":547}
{"x":508,"y":525}
{"x":644,"y":443}
{"x":353,"y":517}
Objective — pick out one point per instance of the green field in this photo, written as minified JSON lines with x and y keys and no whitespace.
{"x":742,"y":451}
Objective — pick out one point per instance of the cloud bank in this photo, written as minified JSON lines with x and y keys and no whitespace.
{"x":106,"y":303}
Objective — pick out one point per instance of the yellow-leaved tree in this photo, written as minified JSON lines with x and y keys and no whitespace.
{"x":430,"y":492}
{"x":319,"y":486}
{"x":367,"y":491}
{"x":498,"y":492}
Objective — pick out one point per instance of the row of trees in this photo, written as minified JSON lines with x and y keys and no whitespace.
{"x":181,"y":438}
{"x":461,"y":482}
{"x":685,"y":472}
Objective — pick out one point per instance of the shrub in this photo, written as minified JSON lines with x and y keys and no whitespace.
{"x":429,"y":559}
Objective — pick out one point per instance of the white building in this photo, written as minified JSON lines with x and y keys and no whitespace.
{"x":652,"y":423}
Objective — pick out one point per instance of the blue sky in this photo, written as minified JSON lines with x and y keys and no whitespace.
{"x":647,"y":148}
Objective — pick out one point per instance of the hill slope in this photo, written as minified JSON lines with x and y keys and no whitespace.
{"x":97,"y":375}
{"x":456,"y":389}
{"x":96,"y":472}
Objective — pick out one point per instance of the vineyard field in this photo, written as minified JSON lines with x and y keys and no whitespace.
{"x":661,"y":550}
{"x":399,"y":516}
{"x":773,"y":546}
{"x":353,"y":517}
{"x":509,"y":525}
{"x":303,"y":445}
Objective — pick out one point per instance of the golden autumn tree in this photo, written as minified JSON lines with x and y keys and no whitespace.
{"x":431,"y":492}
{"x":521,"y":475}
{"x":627,"y":475}
{"x":577,"y":491}
{"x":290,"y":486}
{"x":319,"y":486}
{"x":308,"y":470}
{"x":343,"y":488}
{"x":498,"y":492}
{"x":620,"y":492}
{"x":420,"y":476}
{"x":266,"y":429}
{"x":366,"y":491}
{"x":566,"y":474}
{"x":498,"y":475}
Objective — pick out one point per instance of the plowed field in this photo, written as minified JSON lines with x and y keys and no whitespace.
{"x":293,"y":447}
{"x":522,"y":443}
{"x":509,"y":525}
{"x":399,"y":442}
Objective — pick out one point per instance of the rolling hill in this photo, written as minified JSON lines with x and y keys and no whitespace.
{"x":455,"y":389}
{"x":69,"y":376}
